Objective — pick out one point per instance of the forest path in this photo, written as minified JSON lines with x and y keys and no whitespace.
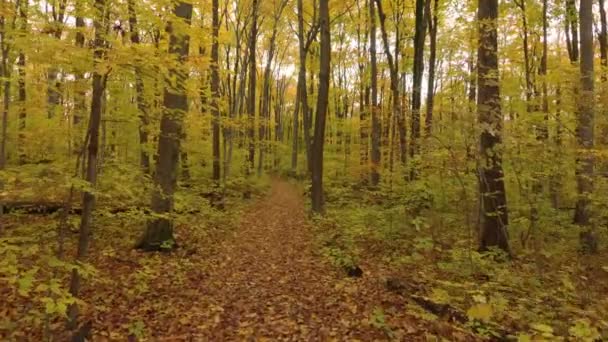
{"x":267,"y":283}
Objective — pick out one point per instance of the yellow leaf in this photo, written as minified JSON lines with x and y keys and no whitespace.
{"x":482,"y":312}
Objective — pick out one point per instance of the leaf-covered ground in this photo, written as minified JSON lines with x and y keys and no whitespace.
{"x":262,"y":279}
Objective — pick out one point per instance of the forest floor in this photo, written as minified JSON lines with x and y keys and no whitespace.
{"x":260,"y":277}
{"x":267,"y":282}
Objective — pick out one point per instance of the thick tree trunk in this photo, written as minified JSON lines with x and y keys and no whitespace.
{"x":88,"y":199}
{"x":495,"y":218}
{"x":253,"y":36}
{"x":159,"y":231}
{"x":585,"y":128}
{"x":322,"y":101}
{"x":603,"y":38}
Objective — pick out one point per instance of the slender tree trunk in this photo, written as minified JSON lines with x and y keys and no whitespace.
{"x":374,"y":109}
{"x":418,"y":70}
{"x":430,"y":96}
{"x":395,"y":87}
{"x":572,"y":31}
{"x":159,"y":231}
{"x":585,"y":129}
{"x":22,"y":92}
{"x":215,"y":92}
{"x":266,"y":96}
{"x":322,"y":102}
{"x":142,"y":106}
{"x":80,"y":106}
{"x":495,"y":218}
{"x":542,"y":71}
{"x":88,"y":199}
{"x":53,"y":83}
{"x":6,"y":101}
{"x":296,"y":129}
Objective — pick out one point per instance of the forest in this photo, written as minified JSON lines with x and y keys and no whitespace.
{"x":303,"y":170}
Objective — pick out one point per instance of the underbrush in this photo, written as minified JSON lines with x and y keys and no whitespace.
{"x":36,"y":257}
{"x":425,"y":235}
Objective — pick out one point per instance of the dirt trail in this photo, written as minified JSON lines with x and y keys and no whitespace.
{"x":267,"y":283}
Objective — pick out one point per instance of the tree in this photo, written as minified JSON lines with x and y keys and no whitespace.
{"x":374,"y":108}
{"x":433,"y":22}
{"x":158,"y":234}
{"x":21,"y":66}
{"x":305,"y":40}
{"x":142,"y":105}
{"x":418,"y":70}
{"x":585,"y":129}
{"x":215,"y":91}
{"x":251,"y":92}
{"x":393,"y":67}
{"x":100,"y":77}
{"x":494,"y":215}
{"x":322,"y":102}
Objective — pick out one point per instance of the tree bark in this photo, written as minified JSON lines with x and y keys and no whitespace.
{"x":494,"y":212}
{"x":318,"y":205}
{"x":253,"y":36}
{"x":418,"y":70}
{"x":159,"y":231}
{"x":374,"y":108}
{"x":585,"y":123}
{"x":215,"y":92}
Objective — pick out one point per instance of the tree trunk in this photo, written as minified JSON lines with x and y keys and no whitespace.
{"x":374,"y":109}
{"x":80,"y":106}
{"x":603,"y":39}
{"x":584,"y":128}
{"x":430,"y":96}
{"x":6,"y":75}
{"x":88,"y":199}
{"x":572,"y":31}
{"x":494,"y":212}
{"x":395,"y":88}
{"x":418,"y":70}
{"x":215,"y":92}
{"x":322,"y":101}
{"x":159,"y":231}
{"x":252,"y":86}
{"x":142,"y":106}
